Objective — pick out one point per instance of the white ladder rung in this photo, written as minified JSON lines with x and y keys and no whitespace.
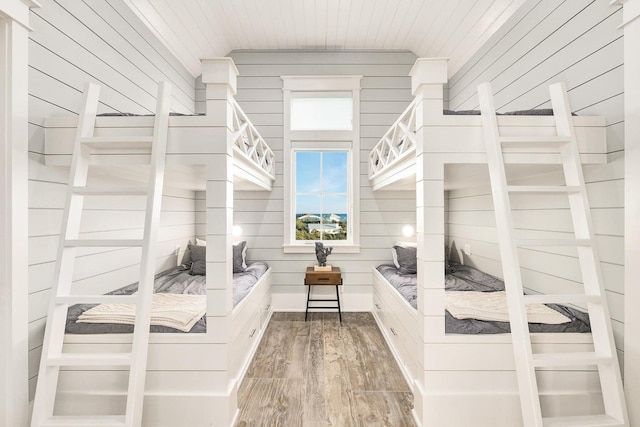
{"x":541,"y":360}
{"x":85,"y":421}
{"x":103,"y":243}
{"x":553,"y":242}
{"x":111,"y":191}
{"x":97,"y":299}
{"x":90,"y":359}
{"x":534,"y":141}
{"x":543,"y":189}
{"x":583,"y":421}
{"x":561,"y":299}
{"x":119,"y":142}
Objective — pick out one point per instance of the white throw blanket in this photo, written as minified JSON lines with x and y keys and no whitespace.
{"x":492,"y":306}
{"x":179,"y":311}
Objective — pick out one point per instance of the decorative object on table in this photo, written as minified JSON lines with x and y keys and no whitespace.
{"x":321,"y":255}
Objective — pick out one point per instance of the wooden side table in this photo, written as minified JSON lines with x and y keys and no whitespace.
{"x":323,"y":278}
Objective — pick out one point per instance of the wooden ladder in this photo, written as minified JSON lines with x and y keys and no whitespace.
{"x":53,"y":356}
{"x":604,"y":355}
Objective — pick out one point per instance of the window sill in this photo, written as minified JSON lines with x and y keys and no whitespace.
{"x":310,"y":249}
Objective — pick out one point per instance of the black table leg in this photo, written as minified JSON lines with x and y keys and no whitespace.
{"x":307,"y":310}
{"x":338,"y":300}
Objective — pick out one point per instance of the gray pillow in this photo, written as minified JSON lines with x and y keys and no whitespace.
{"x":238,"y":257}
{"x":407,"y":259}
{"x":447,"y":264}
{"x":198,"y":259}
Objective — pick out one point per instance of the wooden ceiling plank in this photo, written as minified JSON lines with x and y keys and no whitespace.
{"x":422,"y":33}
{"x":217,"y":41}
{"x":460,"y":20}
{"x":344,"y":13}
{"x":442,"y":22}
{"x":321,"y":24}
{"x":189,"y":33}
{"x":157,"y":23}
{"x":363,"y":24}
{"x":205,"y":28}
{"x":488,"y":25}
{"x":234,"y":21}
{"x":216,"y":16}
{"x":377,"y":18}
{"x":332,"y":23}
{"x":414,"y":14}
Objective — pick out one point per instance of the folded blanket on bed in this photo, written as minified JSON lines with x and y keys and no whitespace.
{"x":492,"y":306}
{"x":179,"y":311}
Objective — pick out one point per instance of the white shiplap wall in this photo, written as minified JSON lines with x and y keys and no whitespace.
{"x":575,"y":42}
{"x":101,"y":41}
{"x":385,"y":94}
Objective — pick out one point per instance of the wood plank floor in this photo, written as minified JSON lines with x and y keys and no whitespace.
{"x":324,"y":373}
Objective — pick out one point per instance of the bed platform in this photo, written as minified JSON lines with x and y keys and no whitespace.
{"x":192,"y":378}
{"x":450,"y":371}
{"x":189,"y":141}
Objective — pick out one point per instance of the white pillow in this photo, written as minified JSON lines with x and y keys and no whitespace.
{"x":200,"y":242}
{"x":394,"y":254}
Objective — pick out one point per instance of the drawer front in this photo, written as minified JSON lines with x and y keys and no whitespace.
{"x":266,"y":309}
{"x":320,"y":278}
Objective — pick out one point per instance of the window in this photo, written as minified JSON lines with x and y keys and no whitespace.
{"x":321,"y":195}
{"x":321,"y":113}
{"x":321,"y":145}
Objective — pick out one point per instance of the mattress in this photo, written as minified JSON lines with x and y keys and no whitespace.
{"x":404,"y":284}
{"x":466,"y":278}
{"x":176,"y":280}
{"x":534,"y":112}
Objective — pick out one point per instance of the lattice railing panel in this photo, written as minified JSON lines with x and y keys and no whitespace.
{"x":397,"y":143}
{"x":249,"y":142}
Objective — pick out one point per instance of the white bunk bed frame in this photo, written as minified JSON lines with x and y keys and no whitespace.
{"x":463,"y":380}
{"x":192,"y":379}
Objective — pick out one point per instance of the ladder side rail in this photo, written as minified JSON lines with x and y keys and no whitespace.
{"x":137,"y":375}
{"x":44,"y":400}
{"x":593,"y":279}
{"x":578,"y":202}
{"x":528,"y":387}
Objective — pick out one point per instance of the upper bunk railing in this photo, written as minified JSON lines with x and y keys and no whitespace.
{"x":249,"y":143}
{"x":398,"y":143}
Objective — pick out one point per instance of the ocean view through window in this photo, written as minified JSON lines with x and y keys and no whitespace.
{"x":321,"y":195}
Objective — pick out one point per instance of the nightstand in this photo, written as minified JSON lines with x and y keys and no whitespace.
{"x":323,"y":278}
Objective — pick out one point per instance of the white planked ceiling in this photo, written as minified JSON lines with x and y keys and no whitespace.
{"x":195,"y":29}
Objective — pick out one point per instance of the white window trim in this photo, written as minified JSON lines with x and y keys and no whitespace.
{"x":338,"y":138}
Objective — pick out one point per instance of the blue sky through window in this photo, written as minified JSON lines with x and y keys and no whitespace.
{"x":321,"y":182}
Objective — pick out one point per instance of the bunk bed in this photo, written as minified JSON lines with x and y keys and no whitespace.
{"x":464,"y":379}
{"x":192,"y":378}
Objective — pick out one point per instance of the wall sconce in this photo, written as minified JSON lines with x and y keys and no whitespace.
{"x":236,"y":231}
{"x":407,"y":231}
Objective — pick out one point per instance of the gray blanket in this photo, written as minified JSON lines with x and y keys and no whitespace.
{"x":404,"y":283}
{"x":176,"y":280}
{"x":465,"y":278}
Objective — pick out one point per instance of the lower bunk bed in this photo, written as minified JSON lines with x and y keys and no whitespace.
{"x":178,"y":376}
{"x":468,"y":363}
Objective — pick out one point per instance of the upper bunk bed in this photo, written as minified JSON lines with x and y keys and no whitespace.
{"x":456,"y":138}
{"x":429,"y":151}
{"x":190,"y":139}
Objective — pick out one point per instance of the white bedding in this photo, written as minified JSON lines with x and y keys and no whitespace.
{"x":179,"y":311}
{"x":492,"y":306}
